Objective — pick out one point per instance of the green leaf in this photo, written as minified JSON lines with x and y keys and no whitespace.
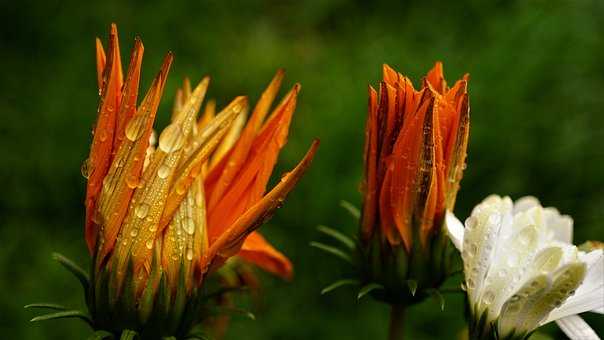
{"x":412,"y":284}
{"x":63,"y":315}
{"x":332,"y":250}
{"x":128,"y":335}
{"x":74,"y":269}
{"x":338,"y":284}
{"x":100,"y":335}
{"x":52,"y":306}
{"x":168,"y":338}
{"x":368,"y":288}
{"x":354,"y":211}
{"x":345,"y":240}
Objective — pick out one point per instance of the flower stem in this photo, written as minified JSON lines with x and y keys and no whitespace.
{"x":397,"y":316}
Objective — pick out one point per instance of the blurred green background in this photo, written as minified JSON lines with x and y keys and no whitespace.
{"x":537,"y":98}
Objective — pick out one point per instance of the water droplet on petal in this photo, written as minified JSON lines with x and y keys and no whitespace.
{"x":163,"y":171}
{"x":149,"y":244}
{"x":85,"y":168}
{"x":171,"y":139}
{"x":142,"y":210}
{"x":189,"y":254}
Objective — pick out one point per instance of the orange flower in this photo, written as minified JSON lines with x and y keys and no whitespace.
{"x":415,"y":153}
{"x":160,"y":218}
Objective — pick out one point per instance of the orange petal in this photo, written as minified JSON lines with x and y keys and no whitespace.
{"x":370,"y":186}
{"x":249,"y":185}
{"x":217,"y":183}
{"x":140,"y":228}
{"x":413,"y":176}
{"x":130,"y":93}
{"x":436,"y":78}
{"x":125,"y":171}
{"x":455,"y":155}
{"x":207,"y":141}
{"x":390,"y":76}
{"x":101,"y":59}
{"x":229,"y":242}
{"x":102,"y":143}
{"x":258,"y":251}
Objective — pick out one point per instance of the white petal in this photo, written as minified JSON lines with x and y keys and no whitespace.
{"x":525,"y":203}
{"x":576,"y":328}
{"x":455,"y":230}
{"x":560,"y":225}
{"x":481,"y":238}
{"x":590,"y":295}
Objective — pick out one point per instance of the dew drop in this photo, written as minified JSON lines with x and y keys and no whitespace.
{"x":142,"y":210}
{"x":189,"y":226}
{"x":149,"y":244}
{"x":103,"y":135}
{"x":189,"y":254}
{"x":163,"y":171}
{"x":85,"y":168}
{"x":134,"y":128}
{"x":171,"y":139}
{"x":134,"y":232}
{"x":132,"y":181}
{"x":488,"y":297}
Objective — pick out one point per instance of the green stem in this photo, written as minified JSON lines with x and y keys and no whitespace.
{"x":397,"y":316}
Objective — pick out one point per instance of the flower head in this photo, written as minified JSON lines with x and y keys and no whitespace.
{"x":160,"y":217}
{"x":415,"y":150}
{"x":521,"y":270}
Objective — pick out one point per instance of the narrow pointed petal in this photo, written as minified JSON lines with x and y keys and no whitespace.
{"x":230,"y":138}
{"x":125,"y":172}
{"x":576,"y":328}
{"x":206,"y":141}
{"x":258,"y":251}
{"x":102,"y":143}
{"x":455,"y":230}
{"x":250,"y":184}
{"x":231,"y":240}
{"x":129,"y":94}
{"x":414,"y":164}
{"x":370,"y":187}
{"x":455,"y":152}
{"x":141,"y":225}
{"x":436,"y":78}
{"x":208,"y":114}
{"x":216,"y":187}
{"x":185,"y":238}
{"x":101,"y":59}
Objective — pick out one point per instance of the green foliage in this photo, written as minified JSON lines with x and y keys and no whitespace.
{"x":536,"y":87}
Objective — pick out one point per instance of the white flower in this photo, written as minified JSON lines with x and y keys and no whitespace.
{"x":521,"y":270}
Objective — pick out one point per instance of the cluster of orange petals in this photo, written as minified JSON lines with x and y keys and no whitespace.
{"x":415,"y":152}
{"x":199,"y":195}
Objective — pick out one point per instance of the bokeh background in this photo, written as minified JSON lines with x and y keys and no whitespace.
{"x":537,"y":98}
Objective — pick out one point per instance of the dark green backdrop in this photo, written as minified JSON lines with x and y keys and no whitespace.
{"x":537,"y":97}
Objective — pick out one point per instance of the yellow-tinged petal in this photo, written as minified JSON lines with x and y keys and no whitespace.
{"x":230,"y":139}
{"x":230,"y":241}
{"x":203,"y":145}
{"x":185,"y":238}
{"x":124,"y":175}
{"x":208,"y":114}
{"x":141,"y":225}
